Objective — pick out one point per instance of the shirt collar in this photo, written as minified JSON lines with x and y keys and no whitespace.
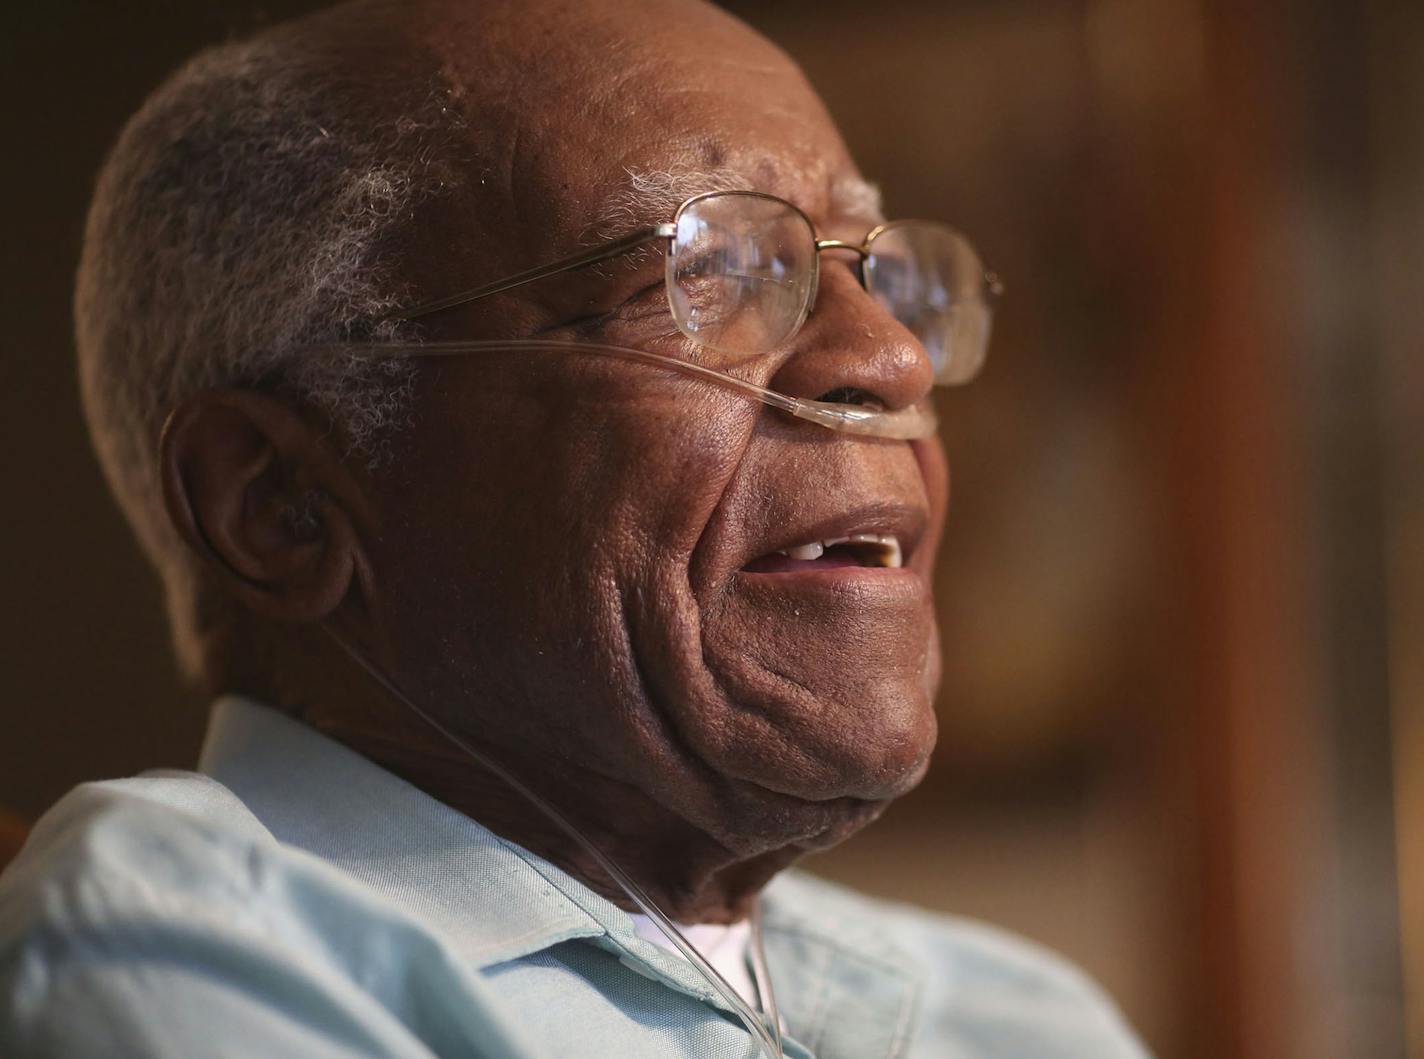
{"x":316,"y":794}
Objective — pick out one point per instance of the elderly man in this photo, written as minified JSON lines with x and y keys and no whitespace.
{"x":526,"y":411}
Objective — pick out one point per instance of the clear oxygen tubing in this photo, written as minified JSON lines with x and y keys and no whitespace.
{"x":761,"y":975}
{"x":917,"y":421}
{"x":766,"y":1029}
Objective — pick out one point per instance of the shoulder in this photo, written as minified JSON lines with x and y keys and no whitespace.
{"x":118,"y":868}
{"x":176,"y":856}
{"x":126,"y":844}
{"x":157,"y":916}
{"x":986,"y":990}
{"x":106,"y":896}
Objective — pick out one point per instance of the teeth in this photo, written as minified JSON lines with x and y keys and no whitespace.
{"x":806,"y":552}
{"x":891,"y":556}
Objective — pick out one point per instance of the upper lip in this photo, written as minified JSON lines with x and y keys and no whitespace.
{"x":905,"y":522}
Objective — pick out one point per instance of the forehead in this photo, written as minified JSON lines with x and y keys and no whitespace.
{"x":700,"y":128}
{"x":624,"y":111}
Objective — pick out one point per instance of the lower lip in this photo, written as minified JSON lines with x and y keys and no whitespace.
{"x":777,"y":567}
{"x":833,"y":586}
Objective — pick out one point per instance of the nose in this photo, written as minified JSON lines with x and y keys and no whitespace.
{"x":852,"y":351}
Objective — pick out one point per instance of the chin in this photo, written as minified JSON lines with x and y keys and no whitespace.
{"x":825,"y":789}
{"x":770,"y":823}
{"x":813,"y":686}
{"x":853,"y":820}
{"x":867,"y":743}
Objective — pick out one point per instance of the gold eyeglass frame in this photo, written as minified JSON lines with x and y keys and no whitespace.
{"x":992,"y":286}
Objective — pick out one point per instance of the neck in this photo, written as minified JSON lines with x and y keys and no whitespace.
{"x":691,"y":877}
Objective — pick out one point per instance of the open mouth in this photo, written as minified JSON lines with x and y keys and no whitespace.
{"x":870,"y":550}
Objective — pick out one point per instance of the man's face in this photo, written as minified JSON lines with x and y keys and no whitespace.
{"x":579,"y":559}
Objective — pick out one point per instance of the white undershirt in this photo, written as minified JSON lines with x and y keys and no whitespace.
{"x":724,"y":946}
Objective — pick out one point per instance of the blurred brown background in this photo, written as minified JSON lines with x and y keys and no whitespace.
{"x":1183,"y":591}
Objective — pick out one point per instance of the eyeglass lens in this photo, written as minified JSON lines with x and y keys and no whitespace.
{"x":930,"y":279}
{"x":742,"y":272}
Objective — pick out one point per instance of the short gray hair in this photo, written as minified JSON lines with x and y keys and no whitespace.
{"x":242,"y":216}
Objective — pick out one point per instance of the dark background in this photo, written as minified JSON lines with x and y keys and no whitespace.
{"x":1183,"y":590}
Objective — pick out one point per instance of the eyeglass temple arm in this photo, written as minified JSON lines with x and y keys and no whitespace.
{"x":588,"y":257}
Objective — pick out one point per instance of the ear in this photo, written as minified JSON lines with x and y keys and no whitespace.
{"x":261,"y":494}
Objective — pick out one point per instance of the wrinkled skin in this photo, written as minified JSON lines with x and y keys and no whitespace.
{"x":552,"y":562}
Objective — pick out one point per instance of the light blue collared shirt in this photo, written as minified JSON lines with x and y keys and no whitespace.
{"x":294,"y":899}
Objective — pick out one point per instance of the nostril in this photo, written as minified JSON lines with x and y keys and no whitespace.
{"x":851,"y":395}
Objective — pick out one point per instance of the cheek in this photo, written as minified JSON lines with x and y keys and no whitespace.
{"x":933,"y":464}
{"x":518,"y":540}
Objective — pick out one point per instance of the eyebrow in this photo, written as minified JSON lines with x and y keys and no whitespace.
{"x":651,"y":196}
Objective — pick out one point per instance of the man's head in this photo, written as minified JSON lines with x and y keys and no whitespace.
{"x":562,"y":556}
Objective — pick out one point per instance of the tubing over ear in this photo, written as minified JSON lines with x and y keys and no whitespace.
{"x":260,"y":494}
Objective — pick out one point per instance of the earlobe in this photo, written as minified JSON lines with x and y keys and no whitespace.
{"x":258,"y":493}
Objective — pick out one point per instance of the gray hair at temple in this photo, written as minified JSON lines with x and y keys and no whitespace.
{"x":241,"y":217}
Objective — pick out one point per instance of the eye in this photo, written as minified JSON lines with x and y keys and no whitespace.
{"x":645,"y":302}
{"x":651,"y":295}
